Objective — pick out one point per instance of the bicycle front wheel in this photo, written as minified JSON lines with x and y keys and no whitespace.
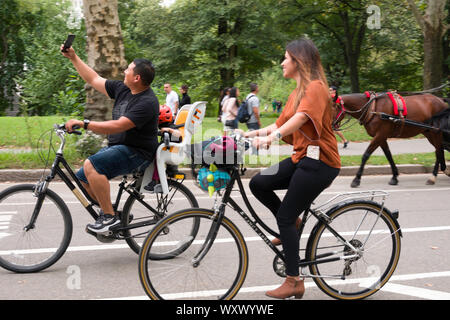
{"x":176,"y":273}
{"x":32,"y":248}
{"x":137,"y":219}
{"x":363,"y":267}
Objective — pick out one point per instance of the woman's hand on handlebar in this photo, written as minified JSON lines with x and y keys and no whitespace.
{"x":242,"y":133}
{"x":262,"y":142}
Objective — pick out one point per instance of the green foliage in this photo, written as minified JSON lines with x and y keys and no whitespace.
{"x":14,"y":20}
{"x":206,"y":44}
{"x":89,"y":144}
{"x":209,"y":44}
{"x":49,"y":84}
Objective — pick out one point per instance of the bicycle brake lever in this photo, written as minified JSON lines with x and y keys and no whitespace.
{"x":166,"y":138}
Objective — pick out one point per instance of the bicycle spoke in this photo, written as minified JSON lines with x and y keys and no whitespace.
{"x":202,"y":279}
{"x":372,"y":249}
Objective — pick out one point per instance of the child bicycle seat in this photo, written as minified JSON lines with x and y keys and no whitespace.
{"x":189,"y":117}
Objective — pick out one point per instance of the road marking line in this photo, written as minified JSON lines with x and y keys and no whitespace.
{"x":220,"y":240}
{"x":5,"y":218}
{"x":390,"y":287}
{"x":416,"y":292}
{"x":249,"y":195}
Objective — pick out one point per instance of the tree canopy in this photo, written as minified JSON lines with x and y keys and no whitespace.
{"x":211,"y":44}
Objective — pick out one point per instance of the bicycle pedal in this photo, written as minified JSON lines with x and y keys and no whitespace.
{"x":95,"y":234}
{"x":101,"y":237}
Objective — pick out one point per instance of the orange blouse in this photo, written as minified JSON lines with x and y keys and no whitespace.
{"x":317,"y":130}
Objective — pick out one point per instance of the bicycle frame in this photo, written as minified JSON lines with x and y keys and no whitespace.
{"x":227,"y":200}
{"x":83,"y":196}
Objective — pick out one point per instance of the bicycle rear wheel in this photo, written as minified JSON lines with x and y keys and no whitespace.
{"x":140,"y":219}
{"x":43,"y":244}
{"x":375,"y":235}
{"x":218,"y":275}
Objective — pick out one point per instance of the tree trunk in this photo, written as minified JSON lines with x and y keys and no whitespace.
{"x":105,"y":52}
{"x":222,"y":54}
{"x":433,"y":28}
{"x":433,"y":55}
{"x":353,"y":39}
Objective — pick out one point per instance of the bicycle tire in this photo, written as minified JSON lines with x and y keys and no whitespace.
{"x":175,"y":277}
{"x":366,"y":274}
{"x":32,"y":251}
{"x":141,"y":213}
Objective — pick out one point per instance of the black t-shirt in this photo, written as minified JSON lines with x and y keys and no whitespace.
{"x":185,"y":100}
{"x":143,"y":110}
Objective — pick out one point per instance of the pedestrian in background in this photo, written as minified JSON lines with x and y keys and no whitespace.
{"x":224,"y":95}
{"x":171,"y":98}
{"x":185,"y":99}
{"x":230,"y":110}
{"x":254,"y":123}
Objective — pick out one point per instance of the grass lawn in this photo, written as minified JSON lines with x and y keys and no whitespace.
{"x":23,"y":134}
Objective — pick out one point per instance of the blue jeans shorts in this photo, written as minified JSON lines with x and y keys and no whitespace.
{"x":115,"y":161}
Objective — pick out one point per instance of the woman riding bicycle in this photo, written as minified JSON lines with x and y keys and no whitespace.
{"x":304,"y":123}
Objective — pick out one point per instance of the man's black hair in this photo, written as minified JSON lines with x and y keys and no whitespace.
{"x":253,"y":87}
{"x":145,"y":69}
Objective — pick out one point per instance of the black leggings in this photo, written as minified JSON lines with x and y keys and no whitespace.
{"x":304,"y":181}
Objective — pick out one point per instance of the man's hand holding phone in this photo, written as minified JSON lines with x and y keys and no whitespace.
{"x":66,"y":48}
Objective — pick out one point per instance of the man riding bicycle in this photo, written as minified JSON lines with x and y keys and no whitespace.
{"x":132,"y":132}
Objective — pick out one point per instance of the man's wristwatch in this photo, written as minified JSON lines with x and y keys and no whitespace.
{"x":86,"y":123}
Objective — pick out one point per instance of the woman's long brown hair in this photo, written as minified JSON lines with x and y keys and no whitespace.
{"x":309,"y":65}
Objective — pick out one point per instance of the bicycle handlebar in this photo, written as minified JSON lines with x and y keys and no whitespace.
{"x":63,"y":128}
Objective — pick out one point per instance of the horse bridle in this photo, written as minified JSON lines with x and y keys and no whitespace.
{"x":339,"y":103}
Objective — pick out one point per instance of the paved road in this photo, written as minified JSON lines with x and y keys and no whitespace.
{"x":109,"y":271}
{"x":397,"y":146}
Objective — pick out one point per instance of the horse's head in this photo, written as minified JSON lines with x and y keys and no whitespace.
{"x":354,"y":104}
{"x":338,"y":112}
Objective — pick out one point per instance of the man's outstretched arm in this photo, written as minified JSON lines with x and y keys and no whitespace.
{"x":86,"y":72}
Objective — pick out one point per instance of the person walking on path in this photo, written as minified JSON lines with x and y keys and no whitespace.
{"x":254,"y":123}
{"x":224,"y":95}
{"x":304,"y":123}
{"x":185,"y":99}
{"x":171,"y":99}
{"x":230,"y":110}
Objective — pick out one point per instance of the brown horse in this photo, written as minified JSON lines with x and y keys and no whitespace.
{"x":367,"y":107}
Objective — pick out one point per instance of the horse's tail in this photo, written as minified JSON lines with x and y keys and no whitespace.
{"x":441,"y":120}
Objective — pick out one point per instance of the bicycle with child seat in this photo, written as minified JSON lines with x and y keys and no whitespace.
{"x":351,"y":252}
{"x":36,"y":226}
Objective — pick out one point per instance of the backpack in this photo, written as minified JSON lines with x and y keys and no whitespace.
{"x":243,"y":116}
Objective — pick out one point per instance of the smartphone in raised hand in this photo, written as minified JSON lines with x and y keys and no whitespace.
{"x":68,"y":42}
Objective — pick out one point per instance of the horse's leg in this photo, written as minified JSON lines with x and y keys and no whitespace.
{"x":387,"y":152}
{"x":440,"y":159}
{"x":375,"y":143}
{"x":444,"y":167}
